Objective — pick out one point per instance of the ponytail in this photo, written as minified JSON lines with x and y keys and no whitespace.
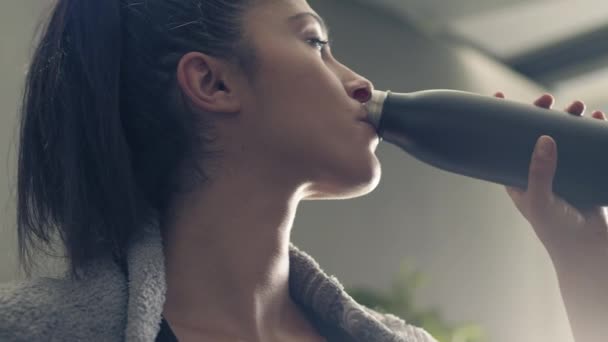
{"x":74,"y":169}
{"x":107,"y":136}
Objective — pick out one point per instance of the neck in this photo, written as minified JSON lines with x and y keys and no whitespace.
{"x":227,"y":258}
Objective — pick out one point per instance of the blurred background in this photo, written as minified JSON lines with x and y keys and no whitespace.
{"x":483,"y":262}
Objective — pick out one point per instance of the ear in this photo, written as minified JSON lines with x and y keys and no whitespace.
{"x":208,"y":82}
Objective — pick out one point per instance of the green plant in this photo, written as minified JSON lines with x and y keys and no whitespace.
{"x":399,"y":301}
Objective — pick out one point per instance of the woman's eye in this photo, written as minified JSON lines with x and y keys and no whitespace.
{"x":318,"y":43}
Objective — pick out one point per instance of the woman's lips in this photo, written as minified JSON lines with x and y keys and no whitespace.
{"x":365,"y":121}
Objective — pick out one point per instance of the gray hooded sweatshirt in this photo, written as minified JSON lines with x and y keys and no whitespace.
{"x":108,"y":304}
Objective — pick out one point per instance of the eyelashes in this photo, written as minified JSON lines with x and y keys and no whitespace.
{"x":318,"y":43}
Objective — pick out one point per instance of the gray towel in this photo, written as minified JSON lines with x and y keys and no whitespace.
{"x":106,"y":305}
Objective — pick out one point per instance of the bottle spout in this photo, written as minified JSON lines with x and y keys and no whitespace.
{"x":375,"y":106}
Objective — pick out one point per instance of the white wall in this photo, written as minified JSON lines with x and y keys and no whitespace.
{"x":484,"y":263}
{"x":18,"y":19}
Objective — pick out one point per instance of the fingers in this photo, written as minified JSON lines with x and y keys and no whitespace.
{"x":514,"y":192}
{"x":576,"y":108}
{"x":542,"y":171}
{"x":539,"y":198}
{"x":545,"y":101}
{"x":599,"y":115}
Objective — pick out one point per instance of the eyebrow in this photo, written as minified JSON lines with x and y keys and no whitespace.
{"x":320,"y":20}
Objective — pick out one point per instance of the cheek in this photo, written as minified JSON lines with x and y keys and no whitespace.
{"x":305,"y":116}
{"x":303,"y":96}
{"x":299,"y":74}
{"x":307,"y":100}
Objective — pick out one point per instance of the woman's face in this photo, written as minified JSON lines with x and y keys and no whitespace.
{"x":301,"y":116}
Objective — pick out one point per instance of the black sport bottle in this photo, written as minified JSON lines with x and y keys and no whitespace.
{"x":493,"y":139}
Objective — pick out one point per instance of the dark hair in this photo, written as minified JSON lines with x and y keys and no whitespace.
{"x":105,"y":131}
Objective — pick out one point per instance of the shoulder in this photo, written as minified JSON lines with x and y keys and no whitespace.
{"x":399,"y":327}
{"x":61,"y":309}
{"x":28,"y":309}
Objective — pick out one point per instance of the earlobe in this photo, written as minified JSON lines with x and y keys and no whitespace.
{"x":202,"y":79}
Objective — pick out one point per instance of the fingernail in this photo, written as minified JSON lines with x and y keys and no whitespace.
{"x":544,"y":147}
{"x":598,"y":114}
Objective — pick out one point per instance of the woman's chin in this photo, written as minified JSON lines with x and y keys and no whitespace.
{"x":352,"y":183}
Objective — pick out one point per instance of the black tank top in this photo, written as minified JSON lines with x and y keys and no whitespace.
{"x":165,"y":334}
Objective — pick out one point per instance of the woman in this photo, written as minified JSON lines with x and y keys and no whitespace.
{"x":168,"y":143}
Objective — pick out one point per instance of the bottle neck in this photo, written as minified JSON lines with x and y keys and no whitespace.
{"x":375,"y":106}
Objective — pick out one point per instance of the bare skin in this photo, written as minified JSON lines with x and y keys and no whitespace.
{"x":577,"y":242}
{"x":290,"y":135}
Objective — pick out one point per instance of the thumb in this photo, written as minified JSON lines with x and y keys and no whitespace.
{"x":542,"y":171}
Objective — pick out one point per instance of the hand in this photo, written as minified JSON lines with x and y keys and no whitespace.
{"x":566,"y":233}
